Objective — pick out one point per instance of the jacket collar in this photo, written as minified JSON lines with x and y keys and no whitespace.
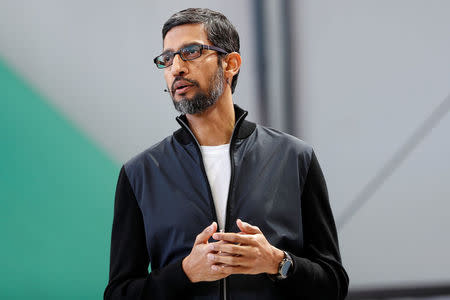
{"x":242,"y":128}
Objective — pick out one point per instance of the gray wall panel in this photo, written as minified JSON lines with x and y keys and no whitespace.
{"x":371,"y":72}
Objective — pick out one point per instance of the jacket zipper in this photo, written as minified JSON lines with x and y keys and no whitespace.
{"x":223,"y":282}
{"x":203,"y":169}
{"x":230,"y":188}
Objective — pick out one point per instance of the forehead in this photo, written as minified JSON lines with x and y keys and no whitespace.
{"x":184,"y":34}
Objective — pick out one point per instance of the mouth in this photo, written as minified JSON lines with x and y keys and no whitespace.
{"x":182,"y":89}
{"x":182,"y":85}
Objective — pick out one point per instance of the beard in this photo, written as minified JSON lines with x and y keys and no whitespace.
{"x":201,"y":100}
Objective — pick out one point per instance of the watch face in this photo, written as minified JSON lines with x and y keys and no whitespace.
{"x":285,"y":268}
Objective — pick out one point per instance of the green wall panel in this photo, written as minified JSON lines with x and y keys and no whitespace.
{"x":56,"y":198}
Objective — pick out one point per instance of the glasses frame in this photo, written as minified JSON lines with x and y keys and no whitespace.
{"x":207,"y":47}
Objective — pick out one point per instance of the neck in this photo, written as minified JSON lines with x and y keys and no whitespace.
{"x":215,"y":125}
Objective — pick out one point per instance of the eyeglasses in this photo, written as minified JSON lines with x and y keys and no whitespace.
{"x":190,"y":52}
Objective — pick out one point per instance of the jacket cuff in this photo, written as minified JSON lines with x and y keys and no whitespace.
{"x":176,"y":273}
{"x":170,"y":281}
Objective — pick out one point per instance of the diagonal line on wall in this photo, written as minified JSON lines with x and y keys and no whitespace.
{"x":394,"y":162}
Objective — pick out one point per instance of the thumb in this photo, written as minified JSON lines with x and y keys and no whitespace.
{"x":204,"y":236}
{"x":247,"y":228}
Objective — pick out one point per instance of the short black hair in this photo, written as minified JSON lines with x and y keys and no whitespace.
{"x":221,"y":33}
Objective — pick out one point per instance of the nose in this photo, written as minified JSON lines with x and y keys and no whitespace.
{"x":178,"y":66}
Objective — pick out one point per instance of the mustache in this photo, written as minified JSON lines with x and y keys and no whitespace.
{"x":178,"y":78}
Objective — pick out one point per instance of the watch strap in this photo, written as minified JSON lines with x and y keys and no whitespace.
{"x":287,"y":262}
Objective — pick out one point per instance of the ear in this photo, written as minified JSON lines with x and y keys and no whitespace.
{"x":231,"y":65}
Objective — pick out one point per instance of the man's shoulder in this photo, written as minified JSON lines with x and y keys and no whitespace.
{"x":155,"y":150}
{"x":291,"y":148}
{"x":282,"y":139}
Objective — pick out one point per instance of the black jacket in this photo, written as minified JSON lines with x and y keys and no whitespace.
{"x":163,"y":200}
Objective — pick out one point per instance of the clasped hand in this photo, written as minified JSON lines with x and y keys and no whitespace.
{"x":246,"y":252}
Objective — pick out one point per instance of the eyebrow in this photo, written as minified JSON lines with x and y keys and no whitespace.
{"x":182,"y":46}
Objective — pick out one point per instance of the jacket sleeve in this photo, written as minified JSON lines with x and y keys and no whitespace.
{"x":318,"y":272}
{"x":129,"y":277}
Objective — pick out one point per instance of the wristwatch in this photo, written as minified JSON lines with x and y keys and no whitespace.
{"x":284,"y":267}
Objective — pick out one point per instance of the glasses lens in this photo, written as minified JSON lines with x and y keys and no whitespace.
{"x":164,"y":60}
{"x":191,"y":52}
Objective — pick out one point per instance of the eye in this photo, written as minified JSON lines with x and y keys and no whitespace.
{"x":166,"y":57}
{"x":191,"y":52}
{"x":164,"y":60}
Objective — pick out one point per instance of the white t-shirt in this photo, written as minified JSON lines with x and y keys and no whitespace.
{"x":218,"y":169}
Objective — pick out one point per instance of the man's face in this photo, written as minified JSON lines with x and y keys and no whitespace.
{"x":197,"y":84}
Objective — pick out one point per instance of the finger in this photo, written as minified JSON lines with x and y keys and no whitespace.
{"x":211,"y":246}
{"x":228,"y":248}
{"x":247,"y":228}
{"x":227,"y":260}
{"x":228,"y":270}
{"x":203,"y":237}
{"x":234,"y":238}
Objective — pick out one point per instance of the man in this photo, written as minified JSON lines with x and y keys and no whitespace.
{"x":223,"y":208}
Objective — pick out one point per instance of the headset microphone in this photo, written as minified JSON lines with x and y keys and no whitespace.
{"x":166,"y":90}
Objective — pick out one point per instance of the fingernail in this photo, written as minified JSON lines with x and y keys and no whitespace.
{"x":210,"y":256}
{"x":214,"y":267}
{"x":216,"y":236}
